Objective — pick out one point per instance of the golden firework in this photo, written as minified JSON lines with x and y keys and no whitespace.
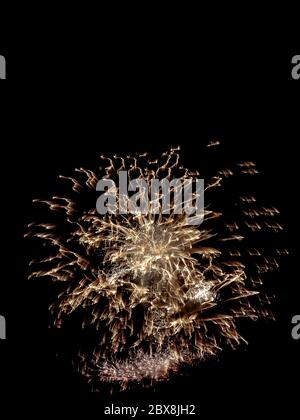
{"x":159,"y":291}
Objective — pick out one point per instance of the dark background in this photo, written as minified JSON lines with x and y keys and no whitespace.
{"x":69,"y":98}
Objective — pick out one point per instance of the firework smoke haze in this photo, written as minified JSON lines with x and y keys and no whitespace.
{"x":159,"y":291}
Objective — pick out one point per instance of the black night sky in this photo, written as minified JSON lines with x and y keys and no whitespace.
{"x":64,"y":102}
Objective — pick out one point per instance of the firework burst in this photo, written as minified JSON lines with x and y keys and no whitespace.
{"x":159,"y":291}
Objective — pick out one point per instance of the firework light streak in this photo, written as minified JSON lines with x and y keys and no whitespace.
{"x":160,"y":292}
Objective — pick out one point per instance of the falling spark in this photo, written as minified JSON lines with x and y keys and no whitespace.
{"x":159,"y":292}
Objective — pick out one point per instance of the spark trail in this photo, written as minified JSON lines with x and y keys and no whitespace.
{"x":159,"y":292}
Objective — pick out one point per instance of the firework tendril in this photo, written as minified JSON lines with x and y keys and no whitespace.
{"x":159,"y":292}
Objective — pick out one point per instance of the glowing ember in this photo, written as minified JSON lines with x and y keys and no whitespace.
{"x":160,"y":291}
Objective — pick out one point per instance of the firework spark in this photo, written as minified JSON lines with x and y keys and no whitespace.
{"x":159,"y":291}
